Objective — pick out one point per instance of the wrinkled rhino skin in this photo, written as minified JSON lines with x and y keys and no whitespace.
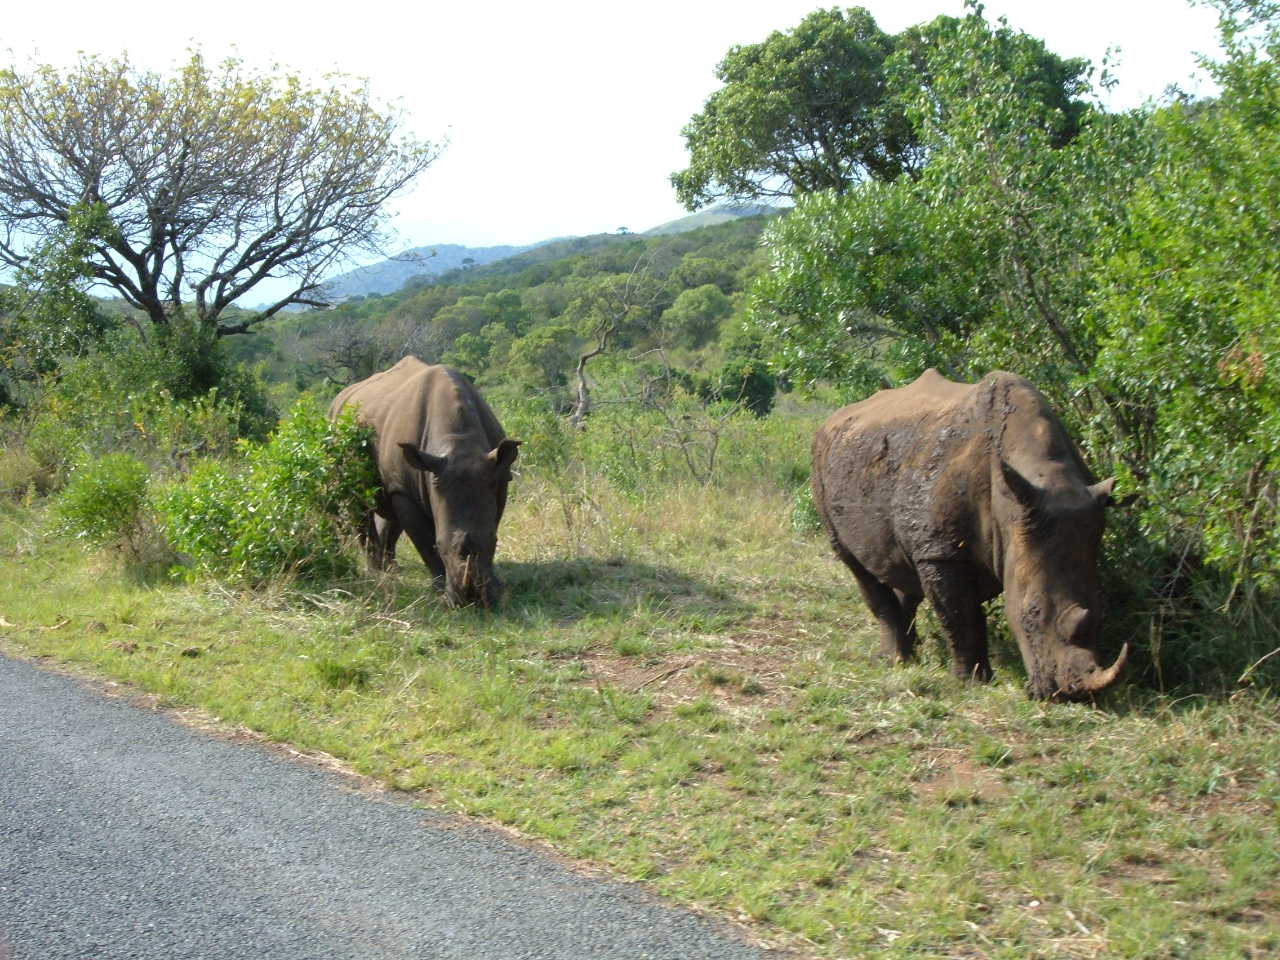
{"x":958,"y":492}
{"x":444,"y":464}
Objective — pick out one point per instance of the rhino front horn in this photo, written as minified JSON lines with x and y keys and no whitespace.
{"x":1101,"y":679}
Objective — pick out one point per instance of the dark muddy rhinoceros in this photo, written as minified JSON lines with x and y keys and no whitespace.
{"x":444,"y":463}
{"x":957,"y":492}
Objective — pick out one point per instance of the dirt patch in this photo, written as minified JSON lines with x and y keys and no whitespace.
{"x":1144,"y":871}
{"x":745,"y":671}
{"x":954,"y":779}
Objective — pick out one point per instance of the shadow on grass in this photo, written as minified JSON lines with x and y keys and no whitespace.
{"x":568,"y":590}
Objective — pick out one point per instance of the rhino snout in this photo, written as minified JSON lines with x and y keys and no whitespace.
{"x":1079,"y":674}
{"x":468,"y":560}
{"x":465,"y":544}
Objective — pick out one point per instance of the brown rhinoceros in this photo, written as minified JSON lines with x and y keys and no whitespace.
{"x":444,"y":463}
{"x":957,"y":492}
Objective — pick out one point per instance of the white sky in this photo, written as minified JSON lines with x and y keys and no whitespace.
{"x":563,"y":116}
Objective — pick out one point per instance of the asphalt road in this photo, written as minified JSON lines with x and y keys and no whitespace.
{"x":124,"y":834}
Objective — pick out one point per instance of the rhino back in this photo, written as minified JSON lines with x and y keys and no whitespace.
{"x":428,"y":405}
{"x":904,"y":475}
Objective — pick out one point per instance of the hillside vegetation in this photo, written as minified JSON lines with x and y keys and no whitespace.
{"x":672,"y":305}
{"x":681,"y":683}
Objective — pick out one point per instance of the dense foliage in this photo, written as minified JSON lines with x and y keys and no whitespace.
{"x":667,"y":308}
{"x":836,"y":102}
{"x":805,"y":110}
{"x":105,"y":503}
{"x":291,"y":508}
{"x":1128,"y":269}
{"x":48,"y":314}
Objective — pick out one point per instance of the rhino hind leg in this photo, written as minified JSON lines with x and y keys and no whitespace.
{"x":894,"y":609}
{"x":378,"y":535}
{"x":955,"y":600}
{"x":416,"y":522}
{"x":909,"y":602}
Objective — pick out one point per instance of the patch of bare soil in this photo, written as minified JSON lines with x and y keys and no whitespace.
{"x":953,"y":778}
{"x":745,"y":672}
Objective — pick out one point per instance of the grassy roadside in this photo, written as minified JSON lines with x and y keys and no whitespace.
{"x":682,"y":689}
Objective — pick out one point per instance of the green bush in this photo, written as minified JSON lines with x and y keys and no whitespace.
{"x":290,"y":509}
{"x":106,"y":504}
{"x":804,"y":512}
{"x":546,"y":439}
{"x":748,"y":380}
{"x":624,"y":445}
{"x":21,"y":474}
{"x":144,"y":398}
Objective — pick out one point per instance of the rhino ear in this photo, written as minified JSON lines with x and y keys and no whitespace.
{"x":422,"y":460}
{"x":1023,"y":490}
{"x":1101,"y":492}
{"x":504,"y":454}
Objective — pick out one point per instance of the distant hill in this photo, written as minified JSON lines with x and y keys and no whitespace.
{"x":720,"y":213}
{"x":424,"y":264}
{"x":548,"y":252}
{"x":388,"y":276}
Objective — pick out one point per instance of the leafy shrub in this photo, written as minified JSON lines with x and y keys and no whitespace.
{"x":289,"y":509}
{"x":804,"y":513}
{"x":624,"y":446}
{"x":143,"y":398}
{"x":21,"y":474}
{"x":105,"y":503}
{"x":546,"y":439}
{"x":748,"y":380}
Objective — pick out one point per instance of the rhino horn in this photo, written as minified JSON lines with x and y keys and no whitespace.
{"x":1101,"y":679}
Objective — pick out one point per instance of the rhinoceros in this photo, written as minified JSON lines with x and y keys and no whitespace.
{"x":444,"y":465}
{"x":957,"y":492}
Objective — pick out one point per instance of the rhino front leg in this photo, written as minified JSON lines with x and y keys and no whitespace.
{"x":416,"y":522}
{"x":953,"y":594}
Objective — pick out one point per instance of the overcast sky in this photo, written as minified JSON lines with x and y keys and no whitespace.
{"x":563,"y":117}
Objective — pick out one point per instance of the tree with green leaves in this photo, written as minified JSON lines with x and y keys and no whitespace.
{"x":836,"y":102}
{"x":931,"y":89}
{"x":694,"y":318}
{"x":609,"y":309}
{"x":805,"y":110}
{"x":214,"y":178}
{"x":469,"y":316}
{"x":46,"y":316}
{"x":541,"y":358}
{"x":1186,"y":314}
{"x":986,"y":259}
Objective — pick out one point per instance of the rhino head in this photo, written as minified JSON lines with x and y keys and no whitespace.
{"x":466,"y":491}
{"x":1053,"y":534}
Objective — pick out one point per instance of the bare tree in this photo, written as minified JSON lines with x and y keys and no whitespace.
{"x":350,"y":351}
{"x":606,"y":311}
{"x":214,"y":178}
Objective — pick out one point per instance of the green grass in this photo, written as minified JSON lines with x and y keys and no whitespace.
{"x":682,"y":689}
